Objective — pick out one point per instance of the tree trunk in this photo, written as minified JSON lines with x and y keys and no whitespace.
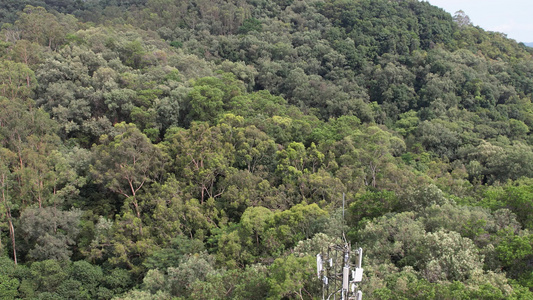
{"x":12,"y":234}
{"x":9,"y":220}
{"x":202,"y":194}
{"x":138,"y":213}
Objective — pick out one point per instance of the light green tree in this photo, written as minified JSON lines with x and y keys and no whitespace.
{"x":126,"y":163}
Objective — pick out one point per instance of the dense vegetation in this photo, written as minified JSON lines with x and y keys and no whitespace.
{"x":200,"y":149}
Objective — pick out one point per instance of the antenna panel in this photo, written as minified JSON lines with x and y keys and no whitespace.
{"x":318,"y":265}
{"x":358,"y":275}
{"x":359,"y":295}
{"x":345,"y":278}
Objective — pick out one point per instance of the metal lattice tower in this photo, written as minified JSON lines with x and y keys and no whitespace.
{"x":340,"y":270}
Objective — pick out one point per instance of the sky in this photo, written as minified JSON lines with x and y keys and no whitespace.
{"x":512,"y":17}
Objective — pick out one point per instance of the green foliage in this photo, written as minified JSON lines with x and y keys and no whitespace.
{"x":433,"y":248}
{"x":292,"y":276}
{"x":514,"y":254}
{"x":8,"y":283}
{"x":126,"y":163}
{"x":39,"y":26}
{"x":49,"y":232}
{"x":513,"y":197}
{"x":48,"y":275}
{"x":170,"y":257}
{"x":16,"y":80}
{"x":188,"y":150}
{"x":373,"y":204}
{"x":300,"y":222}
{"x":8,"y":287}
{"x":192,"y":268}
{"x":250,"y":24}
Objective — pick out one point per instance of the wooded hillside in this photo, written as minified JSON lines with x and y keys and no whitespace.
{"x":167,"y":149}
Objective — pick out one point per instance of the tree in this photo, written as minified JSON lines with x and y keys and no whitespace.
{"x":44,"y":28}
{"x":243,"y":190}
{"x":447,"y":256}
{"x":461,"y":19}
{"x":371,"y":205}
{"x":8,"y":287}
{"x":126,"y":163}
{"x":293,"y":276}
{"x":201,"y":157}
{"x":439,"y":137}
{"x":24,"y":51}
{"x":371,"y":149}
{"x":9,"y":284}
{"x":254,"y":222}
{"x":286,"y":228}
{"x":50,"y":232}
{"x":43,"y":174}
{"x":192,"y":268}
{"x":48,"y":275}
{"x":253,"y":283}
{"x":16,"y":80}
{"x":514,"y":252}
{"x":5,"y":186}
{"x":254,"y":149}
{"x":515,"y":197}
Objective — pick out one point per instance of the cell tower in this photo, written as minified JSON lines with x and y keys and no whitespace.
{"x":340,"y":270}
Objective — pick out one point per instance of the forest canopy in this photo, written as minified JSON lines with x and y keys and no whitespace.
{"x":166,"y":149}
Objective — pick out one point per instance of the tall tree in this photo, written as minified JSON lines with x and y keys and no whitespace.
{"x":50,"y":232}
{"x":126,"y":163}
{"x":5,"y":211}
{"x":16,"y":80}
{"x":201,"y":157}
{"x":39,"y":26}
{"x":372,"y":149}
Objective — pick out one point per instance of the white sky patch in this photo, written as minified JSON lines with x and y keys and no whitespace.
{"x":512,"y":17}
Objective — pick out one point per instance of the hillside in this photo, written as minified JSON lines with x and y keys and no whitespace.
{"x":200,"y":150}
